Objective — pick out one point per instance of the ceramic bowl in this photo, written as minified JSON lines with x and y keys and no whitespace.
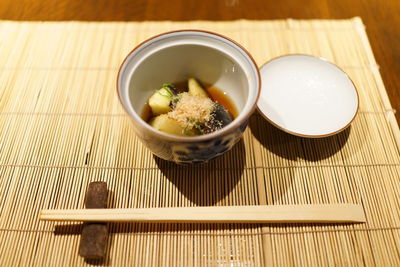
{"x":172,"y":57}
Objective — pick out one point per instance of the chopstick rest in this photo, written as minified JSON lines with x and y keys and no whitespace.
{"x":94,"y":234}
{"x":312,"y":213}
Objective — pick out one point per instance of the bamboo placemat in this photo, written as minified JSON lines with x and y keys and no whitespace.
{"x":61,"y":127}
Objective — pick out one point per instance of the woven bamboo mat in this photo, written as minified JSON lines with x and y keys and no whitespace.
{"x":61,"y":127}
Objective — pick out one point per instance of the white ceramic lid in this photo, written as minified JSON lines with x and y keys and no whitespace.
{"x":307,"y":96}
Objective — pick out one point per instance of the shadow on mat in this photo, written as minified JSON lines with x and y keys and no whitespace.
{"x":97,"y":262}
{"x":293,"y":147}
{"x":181,"y":228}
{"x":208,"y":183}
{"x":154,"y":228}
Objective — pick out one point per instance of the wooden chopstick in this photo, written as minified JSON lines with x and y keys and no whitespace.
{"x":320,"y":213}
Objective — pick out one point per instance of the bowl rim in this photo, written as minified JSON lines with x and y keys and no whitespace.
{"x":311,"y":135}
{"x":222,"y":132}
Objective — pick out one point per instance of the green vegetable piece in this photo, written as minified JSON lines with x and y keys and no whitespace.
{"x":160,"y":101}
{"x":168,"y":85}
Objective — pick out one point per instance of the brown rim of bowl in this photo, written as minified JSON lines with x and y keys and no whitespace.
{"x":217,"y":133}
{"x":308,"y":135}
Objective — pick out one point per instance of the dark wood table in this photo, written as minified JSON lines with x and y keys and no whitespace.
{"x":382,"y":18}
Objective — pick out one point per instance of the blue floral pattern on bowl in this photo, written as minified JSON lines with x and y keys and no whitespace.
{"x":204,"y":151}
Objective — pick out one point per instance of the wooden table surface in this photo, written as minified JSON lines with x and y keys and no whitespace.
{"x":381,"y":17}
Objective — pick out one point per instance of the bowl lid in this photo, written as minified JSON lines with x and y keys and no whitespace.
{"x":307,"y":96}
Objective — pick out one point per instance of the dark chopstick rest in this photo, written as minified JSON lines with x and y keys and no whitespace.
{"x":94,"y":235}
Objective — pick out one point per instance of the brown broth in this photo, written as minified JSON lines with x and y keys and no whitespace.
{"x":216,"y":94}
{"x":181,"y":86}
{"x":222,"y":98}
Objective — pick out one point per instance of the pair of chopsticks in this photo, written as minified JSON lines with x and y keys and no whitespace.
{"x":320,"y":213}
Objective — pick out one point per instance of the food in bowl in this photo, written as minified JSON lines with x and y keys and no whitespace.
{"x":189,"y":109}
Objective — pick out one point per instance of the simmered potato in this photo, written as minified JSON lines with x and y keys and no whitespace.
{"x":167,"y":125}
{"x":195,"y":88}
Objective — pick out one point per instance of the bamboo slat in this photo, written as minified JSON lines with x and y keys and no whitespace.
{"x":62,"y":127}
